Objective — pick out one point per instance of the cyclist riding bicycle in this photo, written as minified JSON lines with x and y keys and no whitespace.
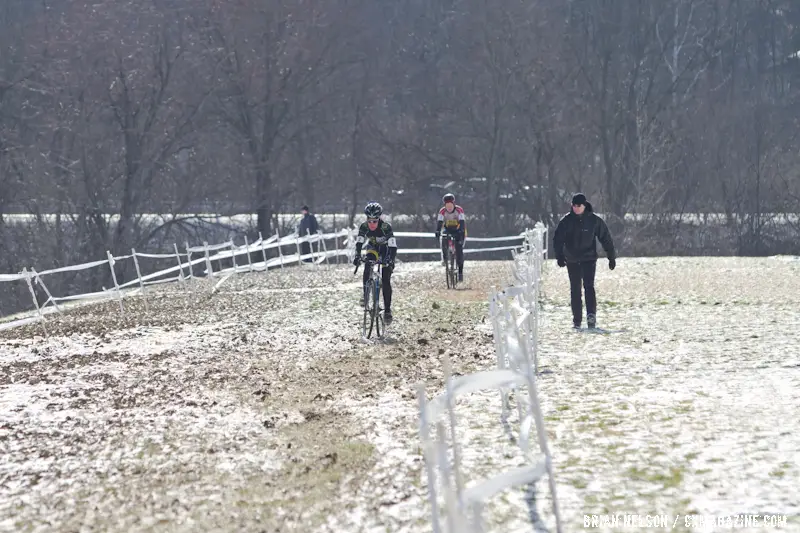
{"x":380,"y":242}
{"x":451,"y":216}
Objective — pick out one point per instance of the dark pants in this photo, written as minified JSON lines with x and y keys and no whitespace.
{"x":582,"y":272}
{"x":305,"y":248}
{"x":386,"y":279}
{"x":459,"y":245}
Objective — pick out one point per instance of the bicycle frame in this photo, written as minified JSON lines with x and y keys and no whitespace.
{"x":373,"y":313}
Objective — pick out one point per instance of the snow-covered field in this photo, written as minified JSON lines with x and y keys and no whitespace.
{"x":260,"y":409}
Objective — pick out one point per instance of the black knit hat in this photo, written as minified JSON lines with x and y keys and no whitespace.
{"x":579,"y":199}
{"x":304,"y":208}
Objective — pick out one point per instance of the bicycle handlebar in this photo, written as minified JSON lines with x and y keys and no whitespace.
{"x":366,"y":259}
{"x":448,"y":236}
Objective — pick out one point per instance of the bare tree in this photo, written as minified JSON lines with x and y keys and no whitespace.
{"x":274,"y":65}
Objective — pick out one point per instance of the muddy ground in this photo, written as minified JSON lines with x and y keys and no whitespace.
{"x":259,"y":408}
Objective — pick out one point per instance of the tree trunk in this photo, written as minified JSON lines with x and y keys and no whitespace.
{"x":264,"y":205}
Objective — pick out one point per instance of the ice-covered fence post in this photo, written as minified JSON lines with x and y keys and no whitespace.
{"x":540,"y":233}
{"x":280,"y":252}
{"x":499,"y":343}
{"x":351,"y":244}
{"x":336,"y":239}
{"x":35,"y":300}
{"x":189,"y":259}
{"x":114,"y":278}
{"x":530,"y":296}
{"x":450,"y":396}
{"x":541,"y":255}
{"x":512,"y":362}
{"x":533,"y":395}
{"x":208,"y":260}
{"x":311,"y":247}
{"x":424,"y":434}
{"x":247,"y":247}
{"x":139,"y":276}
{"x":180,"y":265}
{"x":534,"y":310}
{"x":191,"y":270}
{"x":324,"y":247}
{"x":297,"y":245}
{"x":545,"y":244}
{"x":47,"y":292}
{"x":263,"y":252}
{"x":454,"y":517}
{"x":233,"y":256}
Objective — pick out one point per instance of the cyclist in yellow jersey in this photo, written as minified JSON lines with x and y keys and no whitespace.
{"x":451,"y":218}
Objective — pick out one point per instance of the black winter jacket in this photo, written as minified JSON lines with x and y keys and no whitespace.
{"x":574,"y":239}
{"x":308,"y":224}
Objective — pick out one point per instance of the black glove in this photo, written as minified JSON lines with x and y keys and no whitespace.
{"x":357,"y":260}
{"x":438,"y":234}
{"x":561,"y":261}
{"x":612,"y":264}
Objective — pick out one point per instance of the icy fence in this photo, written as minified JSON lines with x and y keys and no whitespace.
{"x":185,"y":262}
{"x":514,"y":314}
{"x":329,"y":219}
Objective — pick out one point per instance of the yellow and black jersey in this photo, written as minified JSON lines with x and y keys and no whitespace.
{"x":452,"y":221}
{"x":380,"y":236}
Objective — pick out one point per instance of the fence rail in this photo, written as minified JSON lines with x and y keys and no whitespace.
{"x":514,"y":313}
{"x":186,"y":262}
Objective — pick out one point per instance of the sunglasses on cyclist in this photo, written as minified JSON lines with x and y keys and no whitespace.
{"x":372,"y":221}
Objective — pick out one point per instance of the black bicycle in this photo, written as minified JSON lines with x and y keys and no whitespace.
{"x":373,"y":312}
{"x":450,"y":260}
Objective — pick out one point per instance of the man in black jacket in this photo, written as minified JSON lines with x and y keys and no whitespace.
{"x":308,"y":224}
{"x":575,"y":248}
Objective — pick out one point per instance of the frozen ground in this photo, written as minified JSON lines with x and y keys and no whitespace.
{"x":259,"y":409}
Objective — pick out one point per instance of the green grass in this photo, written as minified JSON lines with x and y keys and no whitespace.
{"x":779,"y":473}
{"x":669,"y":479}
{"x":579,"y":483}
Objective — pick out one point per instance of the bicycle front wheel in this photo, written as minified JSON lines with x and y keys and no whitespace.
{"x":377,"y":315}
{"x":366,"y":325}
{"x":451,"y":269}
{"x":447,"y":268}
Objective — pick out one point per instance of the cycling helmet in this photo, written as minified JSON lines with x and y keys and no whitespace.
{"x":448,"y":198}
{"x":373,"y":210}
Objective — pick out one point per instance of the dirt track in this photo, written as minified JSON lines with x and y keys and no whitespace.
{"x":259,"y":408}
